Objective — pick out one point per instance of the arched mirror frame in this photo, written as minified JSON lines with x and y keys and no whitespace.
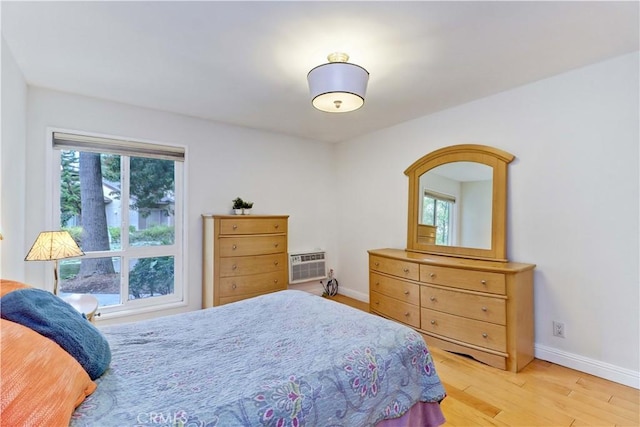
{"x":493,"y":157}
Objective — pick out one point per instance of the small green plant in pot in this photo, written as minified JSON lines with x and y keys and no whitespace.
{"x":246,"y":207}
{"x":238,"y":204}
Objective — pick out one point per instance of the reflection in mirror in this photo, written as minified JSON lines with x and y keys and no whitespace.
{"x":456,"y":205}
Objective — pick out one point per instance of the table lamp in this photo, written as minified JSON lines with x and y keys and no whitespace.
{"x":52,"y":246}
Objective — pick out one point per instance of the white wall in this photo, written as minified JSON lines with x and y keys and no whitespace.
{"x":572,"y":210}
{"x":12,"y":168}
{"x":282,"y":175}
{"x":476,"y":213}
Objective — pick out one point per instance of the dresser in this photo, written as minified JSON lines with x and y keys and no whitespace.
{"x":480,"y":308}
{"x":243,"y":256}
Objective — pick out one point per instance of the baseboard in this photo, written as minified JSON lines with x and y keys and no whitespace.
{"x":316,"y":289}
{"x":600,"y":369}
{"x":354,"y":294}
{"x":311,"y":287}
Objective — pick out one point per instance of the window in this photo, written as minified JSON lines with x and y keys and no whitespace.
{"x":437,"y":210}
{"x":122,"y":202}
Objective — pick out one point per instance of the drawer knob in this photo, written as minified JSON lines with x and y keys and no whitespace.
{"x":432,"y":275}
{"x":276,"y":244}
{"x":484,"y":282}
{"x":432,"y":298}
{"x":433,"y":322}
{"x":377,"y":302}
{"x":406,"y":270}
{"x":377,"y":283}
{"x":235,"y":226}
{"x":406,"y":314}
{"x":377,"y":264}
{"x":275,"y":262}
{"x":406,"y":292}
{"x":233,"y":267}
{"x":484,"y":335}
{"x":275,"y":280}
{"x":276,"y":226}
{"x":234,"y":247}
{"x":484,"y":308}
{"x":233,"y":286}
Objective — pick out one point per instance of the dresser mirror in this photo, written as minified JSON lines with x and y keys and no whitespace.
{"x":457,"y":202}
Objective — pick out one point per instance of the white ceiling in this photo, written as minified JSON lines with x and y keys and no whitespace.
{"x":246,"y":63}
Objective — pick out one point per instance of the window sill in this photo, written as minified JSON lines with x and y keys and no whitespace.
{"x":138,"y":313}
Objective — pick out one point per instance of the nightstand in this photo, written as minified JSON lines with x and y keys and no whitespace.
{"x":86,"y":304}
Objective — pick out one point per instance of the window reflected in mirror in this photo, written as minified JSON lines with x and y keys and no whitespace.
{"x":437,"y":212}
{"x":456,"y":205}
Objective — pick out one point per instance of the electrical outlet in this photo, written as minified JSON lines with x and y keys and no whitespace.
{"x":558,"y":329}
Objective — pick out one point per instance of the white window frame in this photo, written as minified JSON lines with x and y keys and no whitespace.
{"x":434,"y":195}
{"x":177,"y":250}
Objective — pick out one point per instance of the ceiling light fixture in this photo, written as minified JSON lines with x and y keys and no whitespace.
{"x":338,"y":86}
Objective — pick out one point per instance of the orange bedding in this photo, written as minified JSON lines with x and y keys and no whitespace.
{"x":41,"y":383}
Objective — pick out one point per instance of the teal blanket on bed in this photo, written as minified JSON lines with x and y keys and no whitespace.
{"x":283,"y":359}
{"x":52,"y":317}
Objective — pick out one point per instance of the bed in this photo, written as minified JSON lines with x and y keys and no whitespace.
{"x":283,"y":359}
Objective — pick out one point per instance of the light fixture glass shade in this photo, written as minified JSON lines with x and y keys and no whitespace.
{"x":53,"y":245}
{"x":338,"y":87}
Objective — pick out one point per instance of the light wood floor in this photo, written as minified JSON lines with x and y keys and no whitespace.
{"x":542,"y":394}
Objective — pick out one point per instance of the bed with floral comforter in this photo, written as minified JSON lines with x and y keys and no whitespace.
{"x":283,"y":359}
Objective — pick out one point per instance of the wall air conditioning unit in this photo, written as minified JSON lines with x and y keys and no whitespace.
{"x":307,"y":266}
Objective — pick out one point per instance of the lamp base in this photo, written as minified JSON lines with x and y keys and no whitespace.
{"x":55,"y":277}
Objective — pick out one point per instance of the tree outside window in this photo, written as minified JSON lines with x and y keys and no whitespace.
{"x":121,"y":209}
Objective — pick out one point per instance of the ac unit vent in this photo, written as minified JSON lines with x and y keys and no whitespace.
{"x":307,"y":266}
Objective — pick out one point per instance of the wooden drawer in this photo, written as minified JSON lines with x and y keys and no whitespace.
{"x":403,"y":269}
{"x":245,"y":225}
{"x":489,"y":309}
{"x":474,"y":280}
{"x":234,"y":298}
{"x":394,"y":309}
{"x":256,"y":283}
{"x":427,"y":234}
{"x":483,"y":334}
{"x":246,"y":265}
{"x":395,"y":288}
{"x":251,"y":245}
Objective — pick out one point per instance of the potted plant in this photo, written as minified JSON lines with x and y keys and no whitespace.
{"x":238,"y":204}
{"x":246,"y":207}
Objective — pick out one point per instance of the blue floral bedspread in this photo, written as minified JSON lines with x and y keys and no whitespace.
{"x":283,"y":359}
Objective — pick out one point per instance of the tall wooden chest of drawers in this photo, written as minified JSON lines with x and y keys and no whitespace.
{"x":243,"y":256}
{"x":480,"y":308}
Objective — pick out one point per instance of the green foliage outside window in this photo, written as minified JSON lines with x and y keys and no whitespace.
{"x":151,"y":180}
{"x":158,"y":234}
{"x":437,"y":213}
{"x":151,"y":276}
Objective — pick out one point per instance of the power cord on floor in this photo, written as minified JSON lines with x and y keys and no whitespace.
{"x":331,"y":288}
